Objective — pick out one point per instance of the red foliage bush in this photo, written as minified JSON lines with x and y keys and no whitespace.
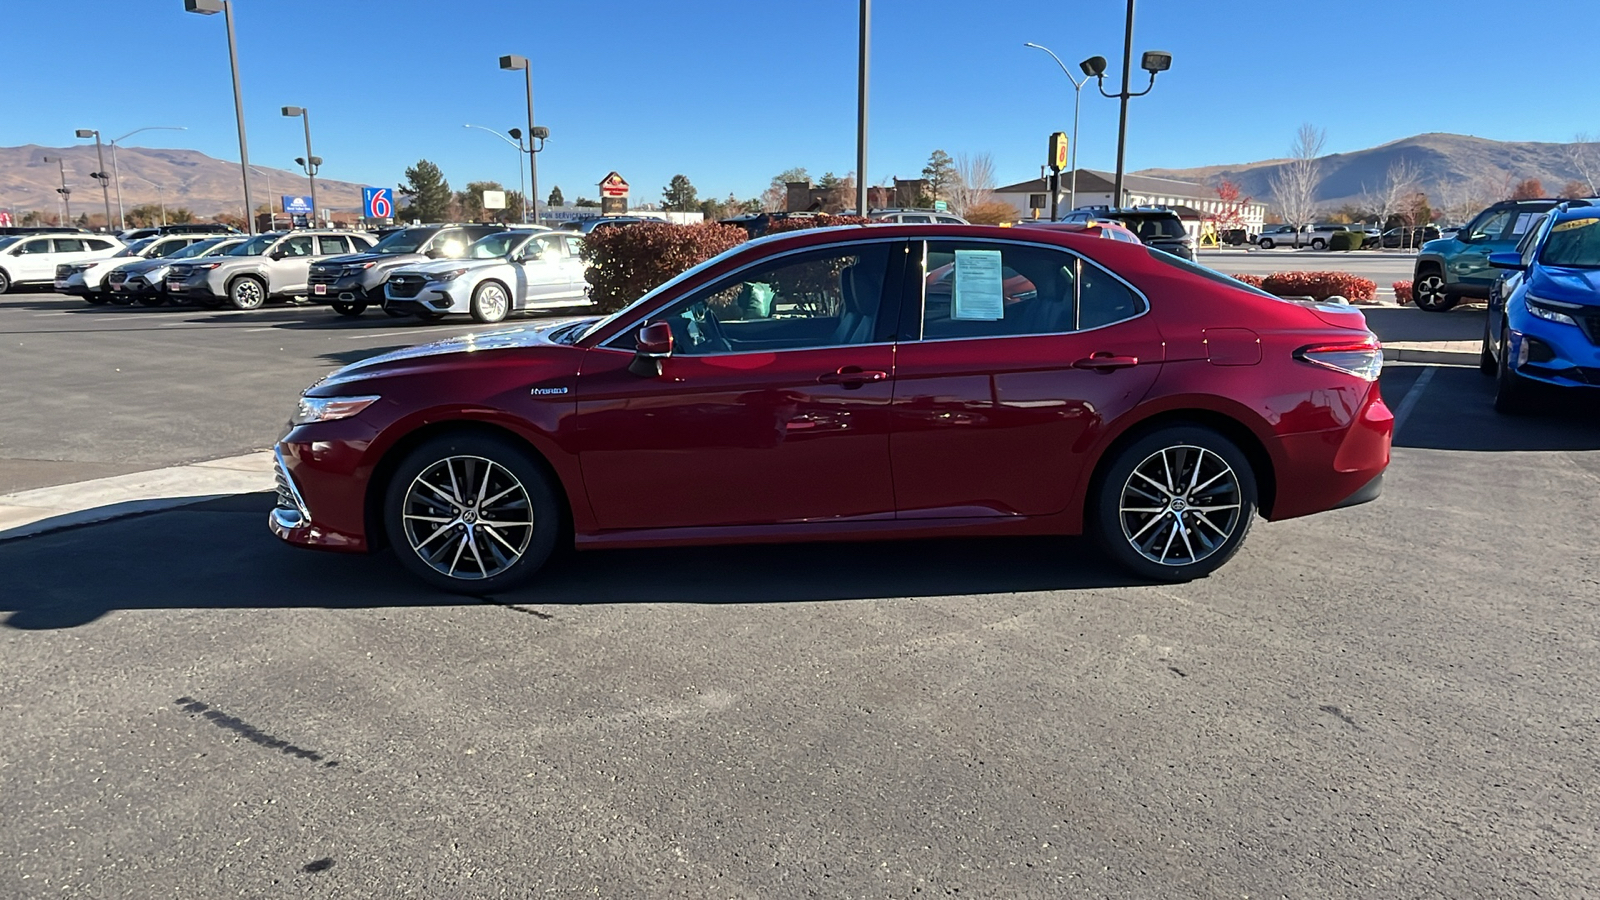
{"x":1402,"y":292}
{"x":628,"y":262}
{"x":800,"y":223}
{"x":1252,"y":280}
{"x":1321,"y":286}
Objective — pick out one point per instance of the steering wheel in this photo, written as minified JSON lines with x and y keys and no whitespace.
{"x":703,"y":321}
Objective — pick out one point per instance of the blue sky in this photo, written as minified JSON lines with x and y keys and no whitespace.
{"x":729,"y":92}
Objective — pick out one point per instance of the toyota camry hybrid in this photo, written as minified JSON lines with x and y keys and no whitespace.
{"x":854,"y":383}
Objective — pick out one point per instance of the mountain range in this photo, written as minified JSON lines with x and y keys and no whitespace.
{"x":188,"y":178}
{"x":1451,"y":168}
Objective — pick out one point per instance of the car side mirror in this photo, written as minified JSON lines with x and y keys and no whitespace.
{"x":1506,"y":261}
{"x":652,"y":346}
{"x":434,"y":253}
{"x":279,"y":253}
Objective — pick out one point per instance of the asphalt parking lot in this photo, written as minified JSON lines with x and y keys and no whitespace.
{"x":1390,"y":700}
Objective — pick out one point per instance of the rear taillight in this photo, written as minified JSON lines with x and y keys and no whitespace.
{"x":1363,"y":359}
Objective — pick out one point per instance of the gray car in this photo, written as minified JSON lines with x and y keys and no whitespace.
{"x":267,"y":266}
{"x":351,"y":283}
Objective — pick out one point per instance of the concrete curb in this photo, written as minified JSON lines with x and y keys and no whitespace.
{"x":28,"y":513}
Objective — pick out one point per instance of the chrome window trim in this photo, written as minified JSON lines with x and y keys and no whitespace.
{"x":640,"y":322}
{"x":923,"y":296}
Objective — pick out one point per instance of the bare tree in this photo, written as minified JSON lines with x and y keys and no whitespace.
{"x":973,"y":183}
{"x":1399,"y":182}
{"x":1294,"y":185}
{"x":1584,"y":155}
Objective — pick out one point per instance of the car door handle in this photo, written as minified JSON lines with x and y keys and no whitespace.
{"x":852,"y":376}
{"x":1105,"y":362}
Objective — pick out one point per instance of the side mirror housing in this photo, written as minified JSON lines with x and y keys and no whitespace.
{"x":276,"y":254}
{"x":652,"y":346}
{"x":434,"y":253}
{"x":1506,"y":261}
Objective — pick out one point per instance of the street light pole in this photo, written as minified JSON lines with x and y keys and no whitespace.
{"x":116,"y":174}
{"x":208,"y":8}
{"x":864,"y":64}
{"x":64,"y":191}
{"x":512,"y":63}
{"x":522,"y":179}
{"x":99,"y":175}
{"x":1153,"y":61}
{"x":311,"y":163}
{"x":1077,"y":101}
{"x":1122,"y":120}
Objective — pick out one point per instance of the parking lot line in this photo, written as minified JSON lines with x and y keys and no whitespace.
{"x":1409,"y":401}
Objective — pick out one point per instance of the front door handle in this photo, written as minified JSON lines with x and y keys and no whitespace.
{"x":852,"y":376}
{"x":1105,"y":362}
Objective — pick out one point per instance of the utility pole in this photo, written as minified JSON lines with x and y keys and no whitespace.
{"x":861,"y":107}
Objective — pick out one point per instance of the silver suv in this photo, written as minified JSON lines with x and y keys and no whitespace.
{"x":350,"y":283}
{"x":276,"y":264}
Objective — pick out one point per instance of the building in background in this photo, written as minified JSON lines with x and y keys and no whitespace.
{"x":1194,"y":203}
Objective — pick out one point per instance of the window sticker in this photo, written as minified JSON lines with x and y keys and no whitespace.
{"x":979,"y":289}
{"x":1524,"y":220}
{"x":1574,"y":224}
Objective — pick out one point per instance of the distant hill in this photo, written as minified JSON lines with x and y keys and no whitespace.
{"x":1453,"y":168}
{"x":188,"y":178}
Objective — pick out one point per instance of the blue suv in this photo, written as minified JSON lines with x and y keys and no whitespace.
{"x":1543,"y":327}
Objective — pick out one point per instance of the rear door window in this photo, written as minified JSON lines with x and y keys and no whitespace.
{"x":983,"y":289}
{"x":69,"y":245}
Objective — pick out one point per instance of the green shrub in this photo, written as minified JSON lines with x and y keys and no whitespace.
{"x":628,"y":262}
{"x":1346,"y":240}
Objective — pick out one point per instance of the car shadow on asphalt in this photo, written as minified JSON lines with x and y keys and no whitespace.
{"x":219,"y":555}
{"x":1407,"y":324}
{"x":1455,"y":411}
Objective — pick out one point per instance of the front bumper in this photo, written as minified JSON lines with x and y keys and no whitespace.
{"x":1552,"y":353}
{"x":197,"y":287}
{"x":434,"y":296}
{"x":321,"y":487}
{"x":322,"y":289}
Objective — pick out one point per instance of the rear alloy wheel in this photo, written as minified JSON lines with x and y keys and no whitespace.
{"x":1266,"y":244}
{"x":1428,"y":293}
{"x":1318,"y":244}
{"x":351,"y":308}
{"x":490,"y":303}
{"x":471,"y":513}
{"x":1176,"y":504}
{"x":247,"y":292}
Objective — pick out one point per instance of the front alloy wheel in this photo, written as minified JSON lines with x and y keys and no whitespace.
{"x":247,"y":292}
{"x":1176,"y":504}
{"x":471,"y":513}
{"x":1428,"y":293}
{"x":490,"y":304}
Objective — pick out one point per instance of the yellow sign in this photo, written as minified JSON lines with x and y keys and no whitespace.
{"x":1058,"y":150}
{"x":1574,"y":224}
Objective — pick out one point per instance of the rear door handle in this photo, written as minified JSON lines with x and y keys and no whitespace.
{"x":852,"y":376}
{"x":1104,"y":362}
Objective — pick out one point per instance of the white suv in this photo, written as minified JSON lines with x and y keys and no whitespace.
{"x":88,"y":279}
{"x":32,"y":258}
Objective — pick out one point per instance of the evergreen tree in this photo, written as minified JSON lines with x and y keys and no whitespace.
{"x":555,"y":197}
{"x":428,"y":193}
{"x":679,"y":195}
{"x":940,"y":173}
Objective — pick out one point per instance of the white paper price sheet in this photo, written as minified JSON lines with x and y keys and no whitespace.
{"x":980,"y":289}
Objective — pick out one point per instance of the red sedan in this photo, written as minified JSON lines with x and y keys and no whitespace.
{"x":819,"y":385}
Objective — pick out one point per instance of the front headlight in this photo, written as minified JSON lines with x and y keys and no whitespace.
{"x":1547,"y":309}
{"x":327,"y":409}
{"x":451,"y":275}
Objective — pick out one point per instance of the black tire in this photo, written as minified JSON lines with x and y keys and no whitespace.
{"x":1427,"y":291}
{"x":1121,"y":529}
{"x":428,"y":315}
{"x":247,"y":292}
{"x":5,"y":282}
{"x":396,"y":313}
{"x":491,"y":303}
{"x":488,"y":570}
{"x":1513,"y":395}
{"x":1318,"y":244}
{"x":349,"y":308}
{"x":174,"y":299}
{"x":1266,"y":244}
{"x":151,"y":299}
{"x":98,"y":299}
{"x":1486,"y":361}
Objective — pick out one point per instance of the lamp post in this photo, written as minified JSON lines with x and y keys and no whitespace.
{"x":1153,"y":61}
{"x":512,"y":63}
{"x":1077,"y":99}
{"x":64,"y":191}
{"x":862,"y":64}
{"x":100,"y":175}
{"x":514,"y":138}
{"x":309,"y":164}
{"x":210,"y":8}
{"x":116,"y":174}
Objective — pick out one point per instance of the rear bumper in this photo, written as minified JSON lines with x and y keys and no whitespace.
{"x":1323,"y":470}
{"x":1368,"y":493}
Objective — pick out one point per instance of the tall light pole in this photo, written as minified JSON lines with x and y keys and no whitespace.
{"x":64,"y":191}
{"x":1077,"y":99}
{"x":515,"y":140}
{"x":116,"y":174}
{"x":209,"y":8}
{"x":1153,"y":61}
{"x":512,"y":63}
{"x":310,"y":163}
{"x":100,"y":175}
{"x":863,"y":64}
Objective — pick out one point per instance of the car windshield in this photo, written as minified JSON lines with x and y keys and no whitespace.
{"x":253,"y":247}
{"x":134,"y":248}
{"x":1573,"y":244}
{"x":8,"y":241}
{"x":406,"y":240}
{"x":1148,"y":227}
{"x":193,"y":250}
{"x":496,"y":245}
